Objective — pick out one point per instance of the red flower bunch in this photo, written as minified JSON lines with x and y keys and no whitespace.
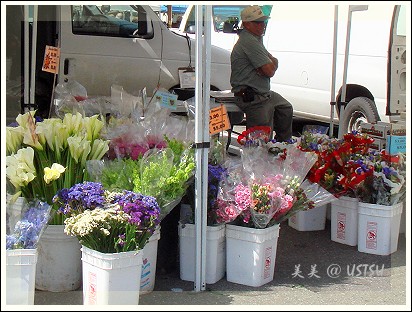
{"x":337,"y":169}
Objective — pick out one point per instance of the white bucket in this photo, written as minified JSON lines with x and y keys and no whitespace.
{"x":378,"y":228}
{"x":251,"y":254}
{"x":20,"y":275}
{"x":111,"y":278}
{"x":344,"y":220}
{"x":215,"y":252}
{"x":309,"y":220}
{"x":149,"y":260}
{"x":59,"y":265}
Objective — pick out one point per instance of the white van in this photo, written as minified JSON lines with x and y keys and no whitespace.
{"x":301,"y":36}
{"x":106,"y":50}
{"x":135,"y":51}
{"x":220,"y":13}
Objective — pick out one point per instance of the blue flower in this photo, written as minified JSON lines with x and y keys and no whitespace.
{"x":27,"y":231}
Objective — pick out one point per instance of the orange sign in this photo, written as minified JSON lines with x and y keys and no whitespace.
{"x":51,"y":60}
{"x":219,"y":120}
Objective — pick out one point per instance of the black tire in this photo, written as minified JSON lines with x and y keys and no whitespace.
{"x":358,"y":111}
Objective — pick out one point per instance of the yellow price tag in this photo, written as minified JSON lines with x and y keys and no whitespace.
{"x":218,"y":120}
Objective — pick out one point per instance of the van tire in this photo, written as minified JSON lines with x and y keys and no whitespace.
{"x":358,"y":111}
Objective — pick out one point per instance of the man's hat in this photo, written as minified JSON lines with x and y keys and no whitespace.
{"x":253,"y":14}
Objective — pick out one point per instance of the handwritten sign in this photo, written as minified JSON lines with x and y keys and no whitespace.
{"x":218,"y":120}
{"x":51,"y":59}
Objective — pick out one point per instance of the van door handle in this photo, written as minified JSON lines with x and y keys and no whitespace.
{"x":66,"y":67}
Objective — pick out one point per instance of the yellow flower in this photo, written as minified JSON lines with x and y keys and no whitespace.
{"x":53,"y":173}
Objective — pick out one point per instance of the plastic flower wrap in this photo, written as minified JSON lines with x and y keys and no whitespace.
{"x":337,"y":169}
{"x":165,"y":176}
{"x":45,"y":156}
{"x":162,"y":173}
{"x":25,"y":226}
{"x":124,"y":222}
{"x":265,"y":189}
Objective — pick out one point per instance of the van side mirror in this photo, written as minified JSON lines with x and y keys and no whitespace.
{"x":191,"y":29}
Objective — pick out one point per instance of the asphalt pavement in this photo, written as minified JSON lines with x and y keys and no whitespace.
{"x":375,"y":282}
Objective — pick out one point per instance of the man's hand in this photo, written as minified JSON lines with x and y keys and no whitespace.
{"x":274,"y":61}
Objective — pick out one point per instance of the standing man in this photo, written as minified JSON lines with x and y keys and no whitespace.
{"x":252,"y":67}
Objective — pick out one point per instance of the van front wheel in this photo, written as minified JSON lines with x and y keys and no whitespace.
{"x":358,"y":111}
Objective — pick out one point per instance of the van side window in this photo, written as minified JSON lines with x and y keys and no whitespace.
{"x":111,"y":20}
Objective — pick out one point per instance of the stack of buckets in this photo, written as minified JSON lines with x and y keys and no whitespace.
{"x":373,"y":228}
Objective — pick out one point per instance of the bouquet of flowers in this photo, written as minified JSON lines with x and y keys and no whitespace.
{"x":337,"y":169}
{"x":259,"y":196}
{"x":45,"y":156}
{"x":106,"y":221}
{"x":254,"y":136}
{"x":385,"y":185}
{"x":31,"y":221}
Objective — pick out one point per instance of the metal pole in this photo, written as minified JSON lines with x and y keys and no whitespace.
{"x":201,"y":142}
{"x":352,"y":8}
{"x":332,"y":93}
{"x":33,"y":58}
{"x":26,"y":86}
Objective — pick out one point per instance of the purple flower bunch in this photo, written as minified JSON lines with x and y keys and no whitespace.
{"x":79,"y":197}
{"x":27,"y":231}
{"x":144,"y":211}
{"x":215,"y":175}
{"x":113,"y":221}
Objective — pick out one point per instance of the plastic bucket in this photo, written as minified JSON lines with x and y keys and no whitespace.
{"x":20,"y":275}
{"x":344,"y":220}
{"x":111,"y":278}
{"x":378,"y":228}
{"x":59,"y":265}
{"x":309,"y":220}
{"x":251,"y":254}
{"x":149,"y":259}
{"x":215,"y":252}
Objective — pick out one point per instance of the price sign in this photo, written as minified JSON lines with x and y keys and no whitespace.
{"x":218,"y":120}
{"x":166,"y":99}
{"x":51,"y":59}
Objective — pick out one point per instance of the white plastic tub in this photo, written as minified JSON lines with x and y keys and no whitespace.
{"x":215,"y":252}
{"x":20,"y":275}
{"x":111,"y":278}
{"x":251,"y":254}
{"x":378,"y":228}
